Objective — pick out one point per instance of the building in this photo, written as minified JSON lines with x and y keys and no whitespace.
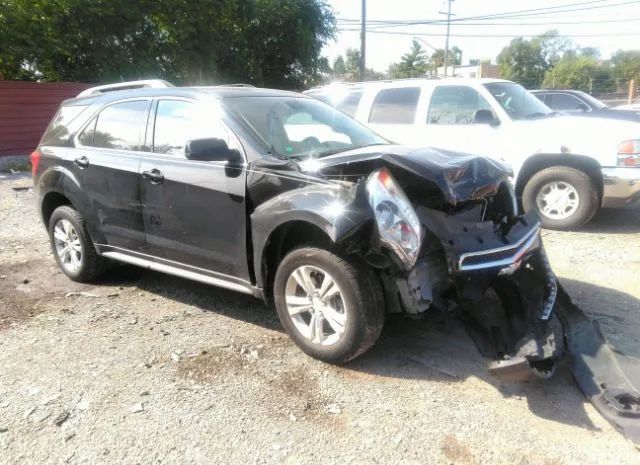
{"x":482,"y":70}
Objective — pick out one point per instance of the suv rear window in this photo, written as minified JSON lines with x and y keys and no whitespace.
{"x":395,"y":106}
{"x":346,"y":101}
{"x":119,"y":126}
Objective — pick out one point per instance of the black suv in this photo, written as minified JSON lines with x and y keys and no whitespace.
{"x":281,"y":196}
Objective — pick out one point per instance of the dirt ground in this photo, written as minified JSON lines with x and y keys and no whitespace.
{"x":146,"y":368}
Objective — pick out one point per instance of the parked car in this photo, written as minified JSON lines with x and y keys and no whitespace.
{"x":565,"y":167}
{"x":283,"y":197}
{"x":580,"y":103}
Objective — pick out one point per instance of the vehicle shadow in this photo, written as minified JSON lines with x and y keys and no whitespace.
{"x":434,"y":348}
{"x":614,"y":221}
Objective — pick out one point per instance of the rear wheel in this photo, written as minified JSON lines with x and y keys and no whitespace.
{"x":72,"y":247}
{"x":331,"y":307}
{"x":564,"y":198}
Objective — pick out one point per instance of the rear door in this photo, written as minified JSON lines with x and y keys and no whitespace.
{"x":194,"y":211}
{"x":106,"y":158}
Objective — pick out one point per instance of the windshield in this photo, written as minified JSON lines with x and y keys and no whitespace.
{"x":594,"y":102}
{"x":517,"y":101}
{"x":299,"y":127}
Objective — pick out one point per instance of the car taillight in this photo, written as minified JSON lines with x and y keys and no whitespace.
{"x":629,"y":153}
{"x":35,"y":159}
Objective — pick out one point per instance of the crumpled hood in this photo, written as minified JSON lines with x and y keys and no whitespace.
{"x":460,"y":177}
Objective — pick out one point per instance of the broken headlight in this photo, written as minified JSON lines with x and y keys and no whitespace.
{"x":397,"y":221}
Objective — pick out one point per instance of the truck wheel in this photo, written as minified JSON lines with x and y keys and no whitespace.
{"x":72,"y":247}
{"x":330,"y":306}
{"x":564,"y":198}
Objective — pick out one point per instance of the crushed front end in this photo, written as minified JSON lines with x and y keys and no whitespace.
{"x":479,"y":260}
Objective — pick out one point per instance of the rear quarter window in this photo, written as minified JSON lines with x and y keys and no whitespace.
{"x":346,"y":101}
{"x":57,"y":133}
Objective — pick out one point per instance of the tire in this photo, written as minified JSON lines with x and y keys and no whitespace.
{"x":359,"y":297}
{"x":90,"y":265}
{"x":571,"y":178}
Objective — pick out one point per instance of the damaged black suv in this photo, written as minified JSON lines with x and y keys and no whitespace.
{"x":281,"y":196}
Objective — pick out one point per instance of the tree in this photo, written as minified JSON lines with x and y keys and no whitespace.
{"x":273,"y":43}
{"x":626,"y":65}
{"x":527,"y":61}
{"x":454,"y":58}
{"x":412,"y":64}
{"x":347,"y":68}
{"x":580,"y":72}
{"x":522,"y":62}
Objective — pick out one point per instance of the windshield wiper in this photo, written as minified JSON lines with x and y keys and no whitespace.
{"x":346,"y":149}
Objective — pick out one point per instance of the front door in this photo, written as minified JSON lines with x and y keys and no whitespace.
{"x":106,"y":159}
{"x":194,"y":211}
{"x":450,"y":123}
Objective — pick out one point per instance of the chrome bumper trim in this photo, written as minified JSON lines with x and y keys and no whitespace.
{"x":528,"y":242}
{"x":621,"y":186}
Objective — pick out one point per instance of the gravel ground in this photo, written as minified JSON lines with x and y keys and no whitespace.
{"x":147,"y":368}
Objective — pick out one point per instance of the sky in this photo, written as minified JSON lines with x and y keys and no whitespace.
{"x":606,"y":24}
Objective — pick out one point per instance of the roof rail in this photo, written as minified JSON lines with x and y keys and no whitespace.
{"x":149,"y":83}
{"x":239,"y":84}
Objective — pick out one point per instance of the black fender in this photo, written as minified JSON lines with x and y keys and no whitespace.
{"x":336,"y":209}
{"x":60,"y":180}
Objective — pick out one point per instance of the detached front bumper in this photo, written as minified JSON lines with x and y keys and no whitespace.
{"x":621,"y":186}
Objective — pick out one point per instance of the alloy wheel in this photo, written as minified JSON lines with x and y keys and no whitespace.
{"x":316,"y":305}
{"x":67,"y":245}
{"x":558,"y":200}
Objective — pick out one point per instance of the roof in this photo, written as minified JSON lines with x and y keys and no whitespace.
{"x":413,"y":81}
{"x":189,"y":92}
{"x":568,"y":91}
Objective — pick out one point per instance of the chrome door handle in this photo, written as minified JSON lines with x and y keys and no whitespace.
{"x":154,"y":176}
{"x":81,"y":162}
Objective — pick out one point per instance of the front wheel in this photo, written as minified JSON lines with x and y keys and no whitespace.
{"x":330,"y":306}
{"x":565,"y":198}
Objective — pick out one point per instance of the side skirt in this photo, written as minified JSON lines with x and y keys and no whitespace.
{"x":177,"y":269}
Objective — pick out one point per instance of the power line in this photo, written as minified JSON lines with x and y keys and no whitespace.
{"x":503,"y":15}
{"x":415,"y":33}
{"x":546,"y":23}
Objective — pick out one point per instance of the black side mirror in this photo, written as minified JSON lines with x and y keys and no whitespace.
{"x":211,"y":150}
{"x":485,"y":117}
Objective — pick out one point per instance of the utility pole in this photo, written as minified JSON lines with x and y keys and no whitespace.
{"x":363,"y":40}
{"x":446,"y":44}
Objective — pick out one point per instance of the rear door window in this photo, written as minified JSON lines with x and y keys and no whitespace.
{"x":455,"y":105}
{"x":564,"y":102}
{"x":395,"y":106}
{"x":119,"y":126}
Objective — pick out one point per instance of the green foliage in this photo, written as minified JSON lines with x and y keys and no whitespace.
{"x":412,"y":64}
{"x":626,"y":65}
{"x":522,"y":62}
{"x":580,"y":73}
{"x":274,"y":43}
{"x":527,"y":61}
{"x":347,"y":68}
{"x":454,"y":58}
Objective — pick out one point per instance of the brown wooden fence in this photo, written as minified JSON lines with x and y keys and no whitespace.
{"x":25,"y":110}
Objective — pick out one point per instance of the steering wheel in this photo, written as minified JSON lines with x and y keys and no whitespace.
{"x":311,"y":142}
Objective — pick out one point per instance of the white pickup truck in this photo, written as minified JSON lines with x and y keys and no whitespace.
{"x":565,"y":167}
